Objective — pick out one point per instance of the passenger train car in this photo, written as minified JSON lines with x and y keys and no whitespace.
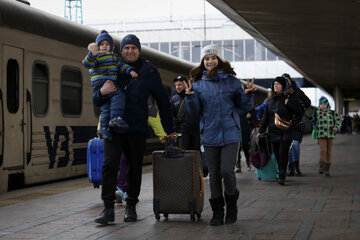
{"x":46,"y":111}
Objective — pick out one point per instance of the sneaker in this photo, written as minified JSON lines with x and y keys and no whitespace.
{"x":119,"y":201}
{"x":238,"y":168}
{"x":248,"y":168}
{"x":121,"y":194}
{"x":118,"y":122}
{"x":105,"y":133}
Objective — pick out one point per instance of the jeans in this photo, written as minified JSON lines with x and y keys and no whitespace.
{"x":294,"y":153}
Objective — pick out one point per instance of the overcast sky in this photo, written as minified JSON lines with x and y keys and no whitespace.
{"x":120,"y":9}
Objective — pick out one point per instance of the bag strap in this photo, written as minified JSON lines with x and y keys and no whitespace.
{"x":180,"y":107}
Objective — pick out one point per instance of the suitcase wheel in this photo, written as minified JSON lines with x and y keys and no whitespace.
{"x":157,"y":216}
{"x":96,"y":185}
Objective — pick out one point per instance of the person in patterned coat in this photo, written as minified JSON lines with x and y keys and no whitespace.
{"x":327,"y":124}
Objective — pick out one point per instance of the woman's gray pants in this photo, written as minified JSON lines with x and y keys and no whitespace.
{"x":221,"y":161}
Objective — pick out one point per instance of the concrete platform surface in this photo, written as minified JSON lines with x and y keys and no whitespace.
{"x":309,"y":207}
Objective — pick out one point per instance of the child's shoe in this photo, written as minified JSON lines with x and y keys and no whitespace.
{"x":118,"y":122}
{"x":105,"y":133}
{"x":120,"y":193}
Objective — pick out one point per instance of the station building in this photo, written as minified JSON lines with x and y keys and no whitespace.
{"x":184,"y":37}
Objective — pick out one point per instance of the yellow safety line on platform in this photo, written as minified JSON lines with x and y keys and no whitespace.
{"x":31,"y":196}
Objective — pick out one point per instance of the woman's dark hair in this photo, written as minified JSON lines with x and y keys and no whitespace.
{"x":196,"y":73}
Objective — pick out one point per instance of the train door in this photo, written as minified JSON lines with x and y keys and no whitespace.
{"x":12,"y":85}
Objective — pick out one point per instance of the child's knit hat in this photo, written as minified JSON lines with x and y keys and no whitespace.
{"x":212,"y":49}
{"x":104,"y":35}
{"x":324,"y":100}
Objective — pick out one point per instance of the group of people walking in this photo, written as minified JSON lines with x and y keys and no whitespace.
{"x":207,"y":109}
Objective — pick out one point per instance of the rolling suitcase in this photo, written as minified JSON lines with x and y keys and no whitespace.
{"x":270,"y":170}
{"x":177,"y":183}
{"x":95,"y":158}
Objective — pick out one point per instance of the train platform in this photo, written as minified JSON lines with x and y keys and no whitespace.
{"x":309,"y":207}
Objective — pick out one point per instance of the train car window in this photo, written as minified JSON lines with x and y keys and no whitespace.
{"x":12,"y":83}
{"x":195,"y":51}
{"x":40,"y":91}
{"x":71,"y":91}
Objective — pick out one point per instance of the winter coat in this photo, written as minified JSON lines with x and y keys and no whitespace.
{"x":217,"y":101}
{"x":326,"y":120}
{"x":184,"y":122}
{"x":285,"y":111}
{"x":138,"y":91}
{"x":305,"y":103}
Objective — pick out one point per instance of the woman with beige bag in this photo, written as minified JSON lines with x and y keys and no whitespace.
{"x":278,"y":118}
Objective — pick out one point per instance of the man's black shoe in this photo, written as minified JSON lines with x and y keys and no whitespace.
{"x":130,"y":214}
{"x":107,"y":215}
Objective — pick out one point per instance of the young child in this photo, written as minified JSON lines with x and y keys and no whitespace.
{"x":104,"y":65}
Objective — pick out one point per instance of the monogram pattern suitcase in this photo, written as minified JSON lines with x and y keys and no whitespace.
{"x":178,"y":183}
{"x":95,"y":158}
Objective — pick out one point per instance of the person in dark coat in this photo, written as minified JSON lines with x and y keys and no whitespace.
{"x":283,"y":105}
{"x":131,"y":141}
{"x":185,"y":124}
{"x":294,"y":153}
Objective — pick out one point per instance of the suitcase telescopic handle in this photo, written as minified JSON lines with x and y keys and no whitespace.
{"x":170,"y":142}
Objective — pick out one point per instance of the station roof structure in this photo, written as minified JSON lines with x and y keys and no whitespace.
{"x":320,"y":39}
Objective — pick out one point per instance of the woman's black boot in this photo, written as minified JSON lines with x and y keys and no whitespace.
{"x":217,"y":205}
{"x":231,"y":207}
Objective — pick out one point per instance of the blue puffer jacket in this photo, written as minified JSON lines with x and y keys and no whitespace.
{"x":217,"y":102}
{"x":138,"y":90}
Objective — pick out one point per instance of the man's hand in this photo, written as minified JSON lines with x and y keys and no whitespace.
{"x":250,"y":87}
{"x":94,"y":49}
{"x":107,"y":88}
{"x":188,"y":87}
{"x":133,"y":74}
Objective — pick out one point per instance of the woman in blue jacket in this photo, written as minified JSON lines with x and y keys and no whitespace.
{"x":217,"y":95}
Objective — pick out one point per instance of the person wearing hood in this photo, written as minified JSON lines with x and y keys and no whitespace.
{"x":327,"y":124}
{"x":294,"y":153}
{"x":278,"y":118}
{"x":216,"y":95}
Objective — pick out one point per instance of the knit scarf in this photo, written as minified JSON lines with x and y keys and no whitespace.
{"x":219,"y":75}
